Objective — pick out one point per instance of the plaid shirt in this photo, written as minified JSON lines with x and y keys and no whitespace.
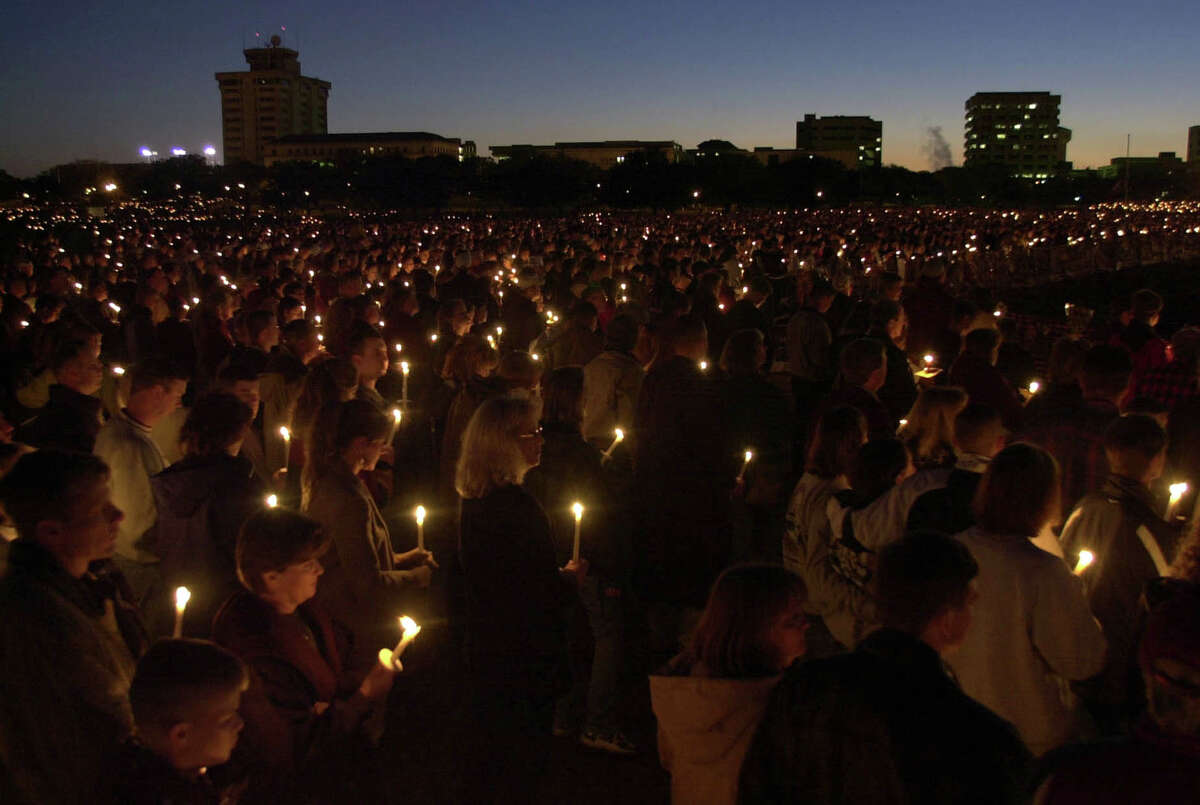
{"x":1167,"y":384}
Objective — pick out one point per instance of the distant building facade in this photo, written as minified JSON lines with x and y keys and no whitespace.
{"x":1193,"y":151}
{"x":602,"y":154}
{"x":1019,"y":130}
{"x":777,"y":156}
{"x":268,"y":101}
{"x":344,"y":147}
{"x":1162,"y":165}
{"x":855,"y":141}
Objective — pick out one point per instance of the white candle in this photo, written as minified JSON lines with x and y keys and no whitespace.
{"x":577,"y":508}
{"x":397,"y":415}
{"x":287,"y":444}
{"x":272,"y":501}
{"x":1177,"y":492}
{"x":748,"y":456}
{"x":390,"y":658}
{"x":421,"y":528}
{"x":1034,"y":387}
{"x":1085,"y":560}
{"x":182,"y":596}
{"x":618,"y":436}
{"x":404,"y":385}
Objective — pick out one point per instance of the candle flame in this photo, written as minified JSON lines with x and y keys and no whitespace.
{"x":577,"y":507}
{"x":182,"y":596}
{"x":703,"y":366}
{"x":272,"y":501}
{"x":1085,"y":559}
{"x":404,"y":367}
{"x":409,"y":626}
{"x":928,"y":359}
{"x":749,"y":454}
{"x":118,"y":370}
{"x":399,"y":347}
{"x":285,"y":433}
{"x":397,"y":415}
{"x":420,"y":515}
{"x":1034,"y":386}
{"x":1178,"y":491}
{"x":620,"y":434}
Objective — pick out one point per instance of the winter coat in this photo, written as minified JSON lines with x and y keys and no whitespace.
{"x":202,"y":502}
{"x":1132,"y":545}
{"x":1032,"y":633}
{"x":948,"y":509}
{"x":984,"y":384}
{"x":132,"y":458}
{"x":885,"y":724}
{"x":280,"y":384}
{"x":705,"y":726}
{"x":69,"y":421}
{"x":899,"y":389}
{"x":611,"y":382}
{"x":67,"y":653}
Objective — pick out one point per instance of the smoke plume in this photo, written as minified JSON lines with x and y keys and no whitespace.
{"x":936,"y":149}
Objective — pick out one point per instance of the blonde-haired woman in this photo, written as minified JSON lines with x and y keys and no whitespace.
{"x":516,"y":596}
{"x":928,"y":432}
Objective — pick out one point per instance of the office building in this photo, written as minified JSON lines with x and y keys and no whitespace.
{"x":1193,"y":149}
{"x":270,"y":100}
{"x":855,"y":141}
{"x":346,"y":147}
{"x":1019,"y":130}
{"x":602,"y":154}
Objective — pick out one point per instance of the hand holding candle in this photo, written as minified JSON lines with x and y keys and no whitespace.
{"x":182,"y":596}
{"x":618,"y":436}
{"x":420,"y":528}
{"x":577,"y":508}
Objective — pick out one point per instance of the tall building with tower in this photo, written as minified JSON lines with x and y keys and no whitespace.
{"x":1018,"y":130}
{"x":856,"y":142}
{"x":270,"y":100}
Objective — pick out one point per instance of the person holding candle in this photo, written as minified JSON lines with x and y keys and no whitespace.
{"x":69,"y":632}
{"x":1122,"y":526}
{"x":516,"y":596}
{"x":975,"y":372}
{"x":281,"y":383}
{"x":1033,"y":630}
{"x":889,"y":326}
{"x":470,"y":365}
{"x":310,"y":708}
{"x":570,"y":470}
{"x":367,"y":581}
{"x":928,"y":429}
{"x":329,"y":380}
{"x":202,"y":501}
{"x":611,"y":383}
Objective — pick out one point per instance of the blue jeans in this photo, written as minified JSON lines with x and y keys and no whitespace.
{"x":603,"y":602}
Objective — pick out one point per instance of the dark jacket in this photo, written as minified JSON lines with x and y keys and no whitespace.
{"x":144,"y":778}
{"x":984,"y":384}
{"x":1073,"y":432}
{"x":899,"y":389}
{"x":514,"y":593}
{"x":296,"y":662}
{"x":880,"y":424}
{"x":885,"y":724}
{"x":928,"y":306}
{"x":69,"y":421}
{"x":1107,"y":523}
{"x":761,"y":418}
{"x":67,"y":653}
{"x":571,"y":470}
{"x":202,"y":502}
{"x":684,"y":467}
{"x":948,"y":509}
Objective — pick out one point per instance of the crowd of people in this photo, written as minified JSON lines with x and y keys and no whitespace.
{"x":801,"y":478}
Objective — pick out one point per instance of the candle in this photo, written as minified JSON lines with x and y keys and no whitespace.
{"x":703,"y":366}
{"x":182,"y":596}
{"x":390,"y":658}
{"x":577,"y":508}
{"x":397,"y":415}
{"x":421,"y":528}
{"x":118,"y":370}
{"x":1177,"y":492}
{"x":618,"y":435}
{"x":1034,"y":386}
{"x":404,"y":385}
{"x":928,"y":360}
{"x":272,"y":501}
{"x":747,"y":457}
{"x":1085,"y":559}
{"x":287,"y":444}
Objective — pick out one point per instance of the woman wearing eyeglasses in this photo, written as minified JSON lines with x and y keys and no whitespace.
{"x":516,"y":597}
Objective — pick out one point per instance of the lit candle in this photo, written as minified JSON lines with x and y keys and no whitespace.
{"x":390,"y":658}
{"x":1177,"y":492}
{"x":577,"y":508}
{"x":397,"y":415}
{"x":272,"y":501}
{"x":928,"y":360}
{"x":118,"y":370}
{"x":703,"y":366}
{"x":287,"y":444}
{"x":618,"y":436}
{"x":1085,"y":560}
{"x":748,"y":456}
{"x":433,"y":338}
{"x":421,"y":528}
{"x":1034,"y":386}
{"x":404,"y":385}
{"x":182,"y":596}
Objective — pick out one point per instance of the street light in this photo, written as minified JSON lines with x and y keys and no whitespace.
{"x":209,"y":151}
{"x":178,"y":152}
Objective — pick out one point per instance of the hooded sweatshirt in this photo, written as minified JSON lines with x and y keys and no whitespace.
{"x":705,"y":727}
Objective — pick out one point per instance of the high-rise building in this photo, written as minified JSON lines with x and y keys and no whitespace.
{"x":1193,"y":152}
{"x":857,"y":142}
{"x":1019,"y":130}
{"x":269,"y":100}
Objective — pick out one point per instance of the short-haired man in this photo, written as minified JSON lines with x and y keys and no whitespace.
{"x":1131,"y":544}
{"x":887,"y":723}
{"x":69,"y":637}
{"x":280,"y":385}
{"x":185,"y":697}
{"x":155,"y":390}
{"x":863,"y":371}
{"x":71,"y":418}
{"x":368,"y":352}
{"x":242,"y":381}
{"x":1177,"y":380}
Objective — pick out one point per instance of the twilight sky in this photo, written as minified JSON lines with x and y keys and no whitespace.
{"x":97,"y":80}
